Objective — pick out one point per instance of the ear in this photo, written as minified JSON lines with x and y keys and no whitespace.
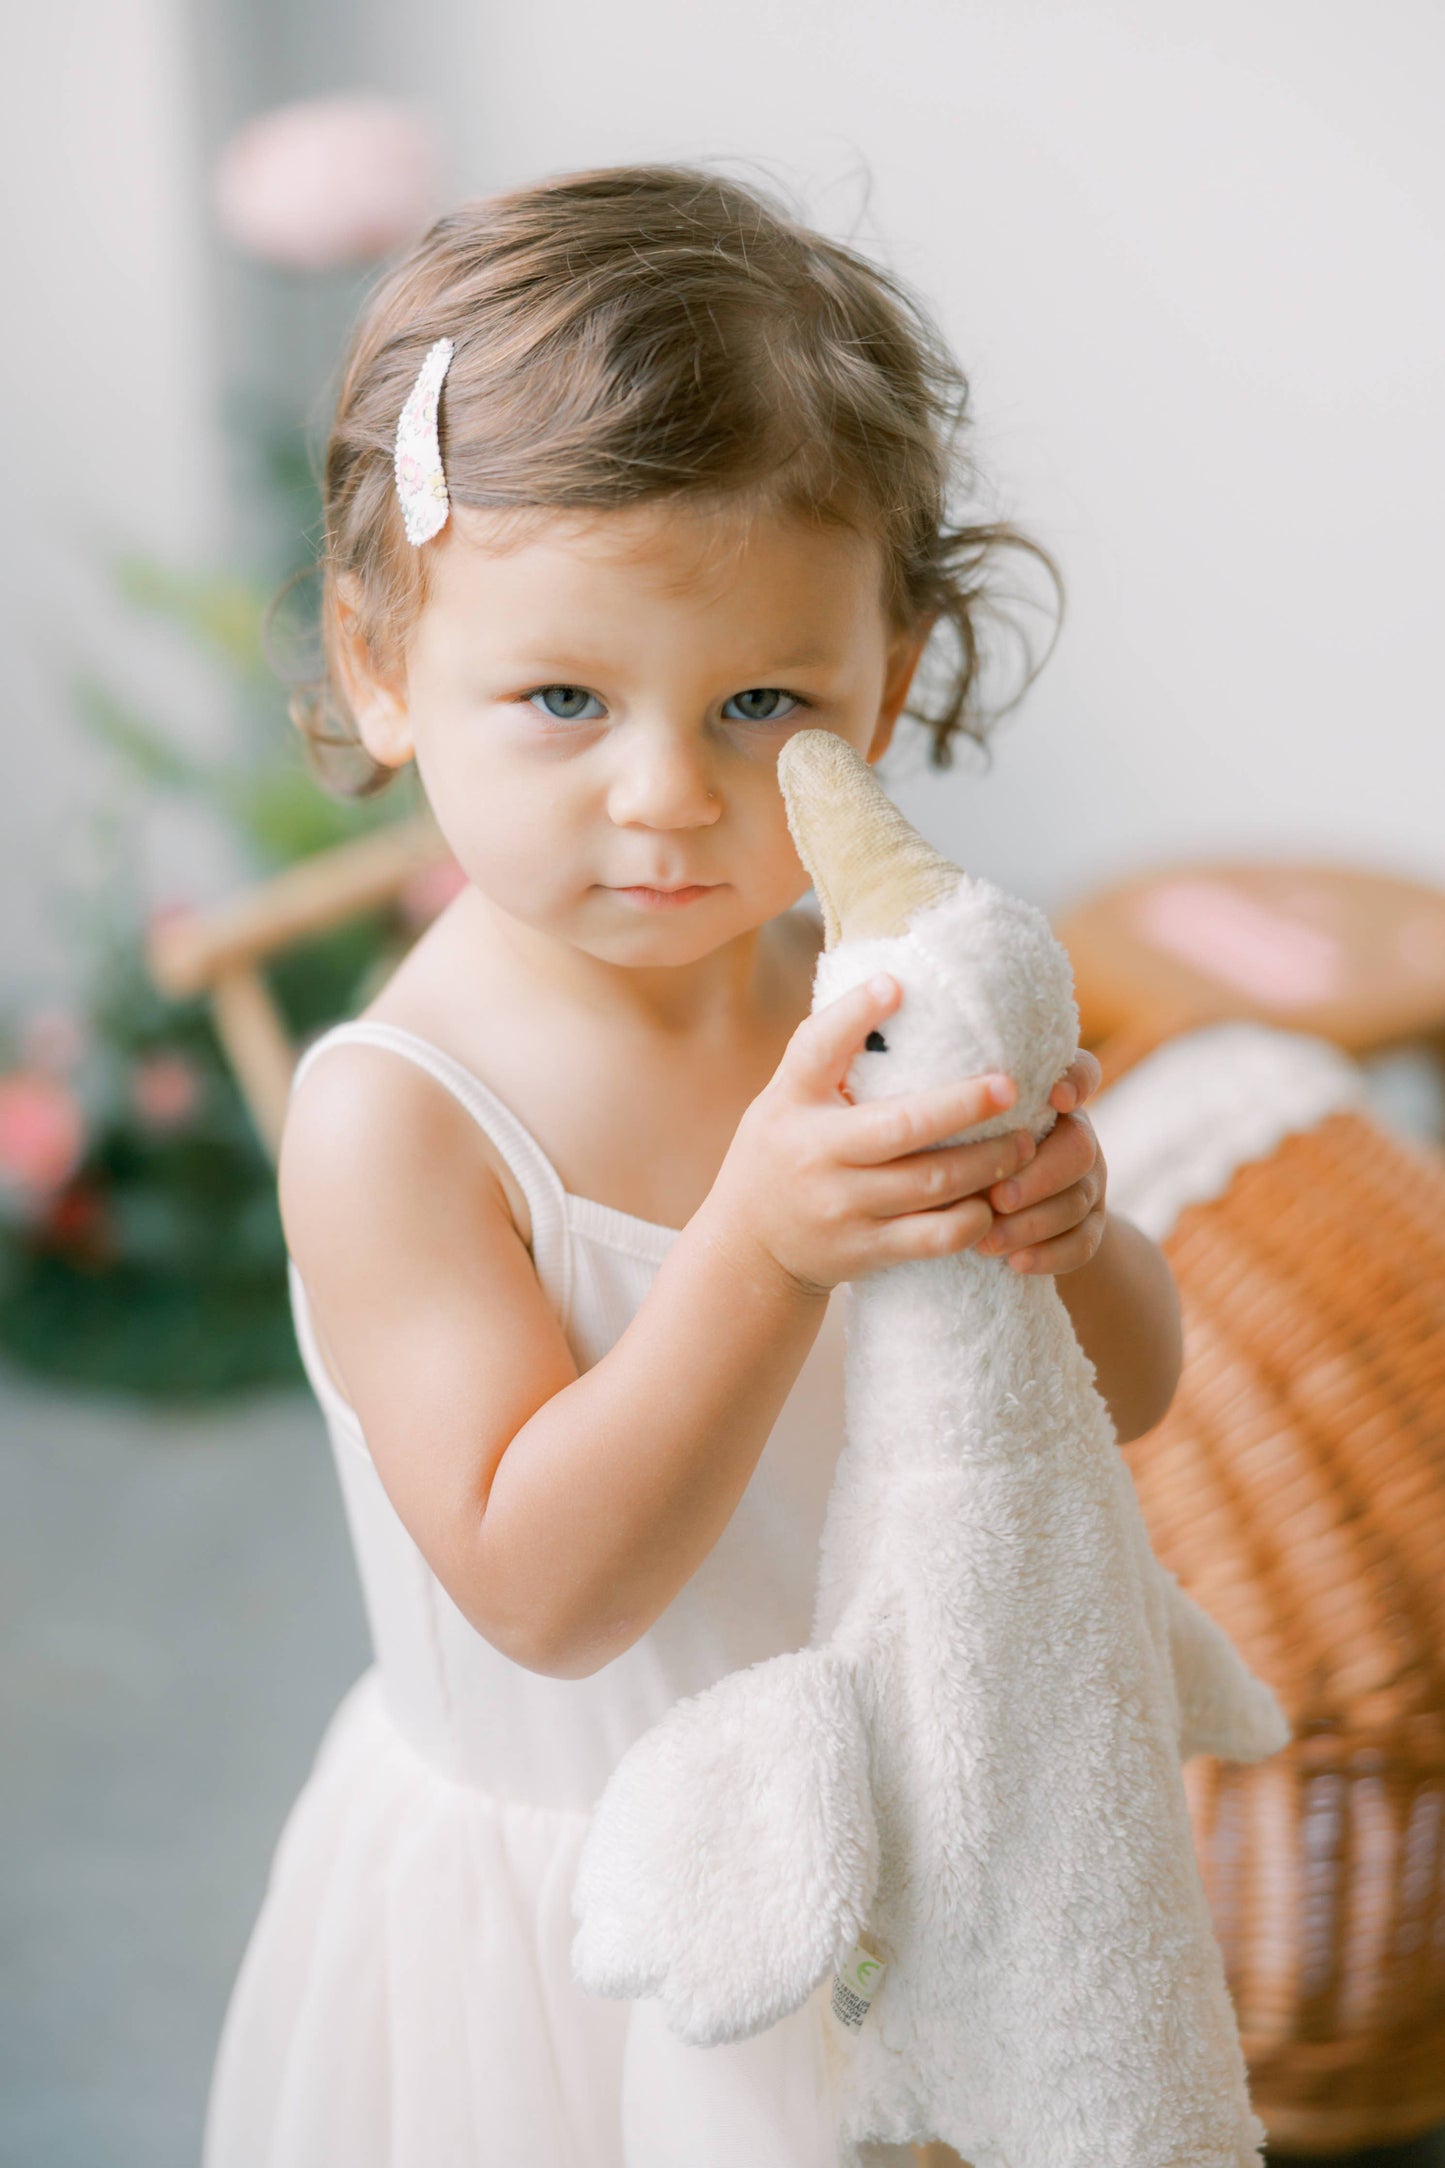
{"x":376,"y":698}
{"x":905,"y":651}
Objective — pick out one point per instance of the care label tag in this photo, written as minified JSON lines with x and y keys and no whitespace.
{"x":855,"y":1986}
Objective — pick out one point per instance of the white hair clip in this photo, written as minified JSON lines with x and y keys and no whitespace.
{"x":421,"y":485}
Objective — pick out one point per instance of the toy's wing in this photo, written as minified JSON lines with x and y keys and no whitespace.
{"x":733,"y":1855}
{"x":1223,"y":1708}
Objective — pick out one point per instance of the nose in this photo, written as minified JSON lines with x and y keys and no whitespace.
{"x":662,"y":782}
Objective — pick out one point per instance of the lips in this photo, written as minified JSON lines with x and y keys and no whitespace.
{"x":667,"y":899}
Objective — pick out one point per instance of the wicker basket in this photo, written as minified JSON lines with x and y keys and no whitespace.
{"x":1297,"y":1489}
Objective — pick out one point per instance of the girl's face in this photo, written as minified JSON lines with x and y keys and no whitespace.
{"x":597,"y":712}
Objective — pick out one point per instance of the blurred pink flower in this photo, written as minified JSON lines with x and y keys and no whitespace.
{"x":170,"y":913}
{"x":42,"y":1134}
{"x":165,"y":1090}
{"x":329,"y":181}
{"x":425,"y":893}
{"x":54,"y":1039}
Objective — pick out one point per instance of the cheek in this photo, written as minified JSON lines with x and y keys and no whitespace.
{"x":765,"y":853}
{"x":510,"y":826}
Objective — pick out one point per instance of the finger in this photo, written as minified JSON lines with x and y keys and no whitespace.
{"x":1079,"y":1081}
{"x":1065,"y":1254}
{"x":1068,"y":1152}
{"x":1045,"y":1221}
{"x":824,"y":1046}
{"x":924,"y":1180}
{"x":883,"y":1129}
{"x":941,"y":1233}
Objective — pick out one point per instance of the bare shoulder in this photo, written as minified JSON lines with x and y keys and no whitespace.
{"x":367,"y":1134}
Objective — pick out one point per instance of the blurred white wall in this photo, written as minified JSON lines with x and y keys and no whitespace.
{"x":107,"y":387}
{"x":1194,"y":260}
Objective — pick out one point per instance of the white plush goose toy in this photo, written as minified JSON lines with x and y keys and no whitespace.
{"x":970,"y":1777}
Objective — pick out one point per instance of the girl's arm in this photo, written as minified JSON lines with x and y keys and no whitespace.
{"x":1124,"y":1307}
{"x":1116,"y":1284}
{"x":562,"y":1513}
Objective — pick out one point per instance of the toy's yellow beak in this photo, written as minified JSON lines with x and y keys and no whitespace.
{"x":871,"y":868}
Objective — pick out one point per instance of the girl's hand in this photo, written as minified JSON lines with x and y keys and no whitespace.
{"x":832,"y":1191}
{"x":1052,"y":1218}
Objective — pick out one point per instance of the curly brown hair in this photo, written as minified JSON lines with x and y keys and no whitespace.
{"x":645,"y":332}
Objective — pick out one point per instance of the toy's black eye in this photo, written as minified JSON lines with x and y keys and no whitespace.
{"x":876,"y":1043}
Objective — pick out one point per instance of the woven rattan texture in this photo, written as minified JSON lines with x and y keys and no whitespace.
{"x":1297,"y":1489}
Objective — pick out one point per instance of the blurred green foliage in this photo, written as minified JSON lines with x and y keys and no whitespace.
{"x":141,"y":1248}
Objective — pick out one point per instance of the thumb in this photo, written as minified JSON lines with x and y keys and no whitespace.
{"x":821,"y":1050}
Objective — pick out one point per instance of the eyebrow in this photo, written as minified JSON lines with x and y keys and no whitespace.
{"x":560,"y":665}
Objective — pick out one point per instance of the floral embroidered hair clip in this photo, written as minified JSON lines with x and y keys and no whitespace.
{"x":421,"y":485}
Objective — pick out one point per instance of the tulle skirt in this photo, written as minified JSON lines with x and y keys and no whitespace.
{"x":406,"y":2000}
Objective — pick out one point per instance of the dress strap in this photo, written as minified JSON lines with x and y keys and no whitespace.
{"x":538,"y":1179}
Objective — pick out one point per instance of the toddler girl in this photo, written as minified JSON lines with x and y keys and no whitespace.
{"x":630,"y":477}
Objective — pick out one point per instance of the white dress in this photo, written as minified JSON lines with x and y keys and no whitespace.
{"x":406,"y":1997}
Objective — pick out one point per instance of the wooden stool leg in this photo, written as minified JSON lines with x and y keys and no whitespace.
{"x":249,"y":1027}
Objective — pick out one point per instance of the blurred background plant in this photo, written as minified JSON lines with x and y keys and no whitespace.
{"x":140,"y":1243}
{"x":141,"y":1248}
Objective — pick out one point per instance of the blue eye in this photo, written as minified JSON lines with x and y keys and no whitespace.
{"x":760,"y":705}
{"x":567,"y":703}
